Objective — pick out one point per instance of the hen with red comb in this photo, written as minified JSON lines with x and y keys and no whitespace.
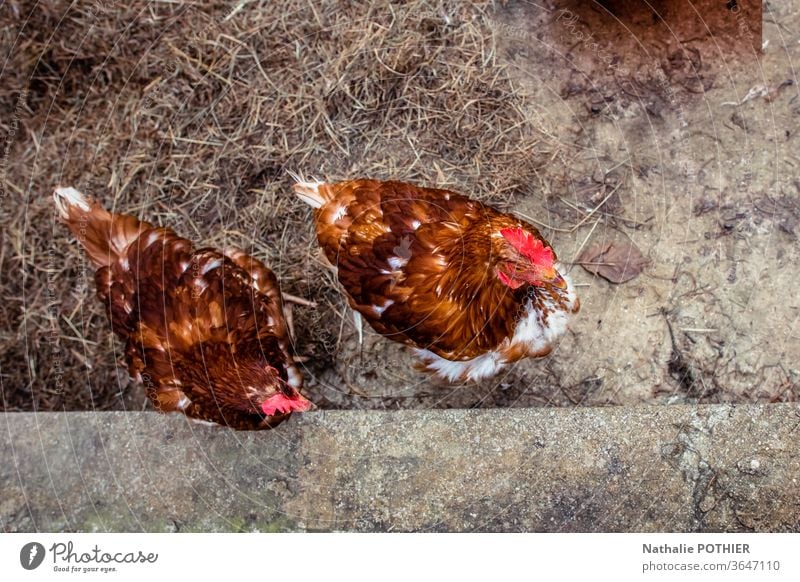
{"x":469,"y":288}
{"x":204,"y":330}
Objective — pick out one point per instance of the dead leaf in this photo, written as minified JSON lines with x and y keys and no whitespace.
{"x":617,"y":262}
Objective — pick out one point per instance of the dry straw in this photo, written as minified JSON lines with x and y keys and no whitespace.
{"x":190,"y":115}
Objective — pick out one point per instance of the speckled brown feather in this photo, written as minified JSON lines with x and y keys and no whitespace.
{"x":200,"y":326}
{"x":443,"y":294}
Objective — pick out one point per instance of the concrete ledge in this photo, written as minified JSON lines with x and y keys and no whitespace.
{"x":679,"y":468}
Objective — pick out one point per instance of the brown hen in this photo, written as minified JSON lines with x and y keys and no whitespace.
{"x":204,"y":331}
{"x":470,"y":288}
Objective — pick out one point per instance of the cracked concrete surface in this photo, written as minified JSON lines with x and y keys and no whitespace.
{"x":678,"y":468}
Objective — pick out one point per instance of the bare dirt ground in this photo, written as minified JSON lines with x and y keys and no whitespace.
{"x":601,"y":122}
{"x":680,"y":140}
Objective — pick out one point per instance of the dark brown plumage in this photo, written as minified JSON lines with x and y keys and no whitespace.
{"x":203,"y":330}
{"x":470,"y":287}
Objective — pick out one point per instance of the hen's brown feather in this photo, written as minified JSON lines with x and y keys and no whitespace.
{"x":204,"y":330}
{"x":418,"y":264}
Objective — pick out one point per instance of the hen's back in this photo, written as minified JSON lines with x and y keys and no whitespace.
{"x":184,"y":313}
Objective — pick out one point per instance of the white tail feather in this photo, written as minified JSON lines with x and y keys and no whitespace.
{"x":66,"y":197}
{"x":308,"y":190}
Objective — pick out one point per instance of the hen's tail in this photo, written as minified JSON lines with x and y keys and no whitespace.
{"x":311,"y":192}
{"x":105,"y":236}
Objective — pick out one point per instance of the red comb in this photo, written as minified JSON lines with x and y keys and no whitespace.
{"x":529,"y":246}
{"x":282,"y":404}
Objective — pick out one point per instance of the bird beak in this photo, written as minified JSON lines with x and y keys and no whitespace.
{"x":553,"y":277}
{"x":302,"y":404}
{"x":560,"y":282}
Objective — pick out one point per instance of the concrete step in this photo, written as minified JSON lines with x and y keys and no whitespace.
{"x":676,"y":468}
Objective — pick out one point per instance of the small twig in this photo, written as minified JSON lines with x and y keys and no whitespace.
{"x":585,"y":240}
{"x":698,"y":329}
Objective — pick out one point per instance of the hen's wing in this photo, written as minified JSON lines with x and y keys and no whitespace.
{"x":264,"y":282}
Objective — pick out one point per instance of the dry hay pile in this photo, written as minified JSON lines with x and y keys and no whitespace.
{"x":191,"y":117}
